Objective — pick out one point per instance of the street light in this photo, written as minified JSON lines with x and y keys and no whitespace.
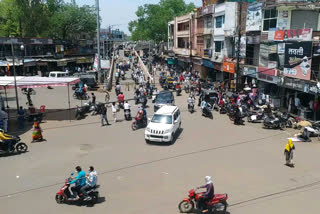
{"x":22,"y":51}
{"x":14,"y":73}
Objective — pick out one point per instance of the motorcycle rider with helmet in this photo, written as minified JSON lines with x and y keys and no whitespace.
{"x":209,"y":194}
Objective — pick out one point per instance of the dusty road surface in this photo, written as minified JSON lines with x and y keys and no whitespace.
{"x":246,"y":162}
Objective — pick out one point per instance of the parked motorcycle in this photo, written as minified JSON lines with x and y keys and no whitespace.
{"x":277,"y":121}
{"x":18,"y":146}
{"x":64,"y":195}
{"x":82,"y":110}
{"x":96,"y":109}
{"x":207,"y":112}
{"x":80,"y":95}
{"x":136,"y":124}
{"x":256,"y":117}
{"x":217,"y":204}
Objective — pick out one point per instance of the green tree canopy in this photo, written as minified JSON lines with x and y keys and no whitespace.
{"x":152,"y":21}
{"x":45,"y":18}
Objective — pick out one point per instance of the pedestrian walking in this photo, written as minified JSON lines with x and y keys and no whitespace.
{"x":104,"y":116}
{"x":37,"y":133}
{"x":288,"y":152}
{"x":114,"y":111}
{"x":93,"y":98}
{"x":21,"y":115}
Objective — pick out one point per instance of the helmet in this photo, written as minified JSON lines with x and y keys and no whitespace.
{"x":208,"y":179}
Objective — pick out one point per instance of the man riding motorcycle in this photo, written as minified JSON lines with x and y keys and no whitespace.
{"x":209,"y":194}
{"x":79,"y":180}
{"x":205,"y":107}
{"x":91,"y":182}
{"x":6,"y":139}
{"x":190,"y":101}
{"x":141,"y":116}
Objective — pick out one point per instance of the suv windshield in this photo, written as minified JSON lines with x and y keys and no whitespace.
{"x":164,"y":119}
{"x":163,"y":98}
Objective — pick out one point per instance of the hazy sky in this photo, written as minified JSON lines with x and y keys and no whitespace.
{"x":121,"y":12}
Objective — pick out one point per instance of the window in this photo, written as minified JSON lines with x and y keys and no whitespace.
{"x":208,"y":22}
{"x":270,"y":19}
{"x":219,"y":46}
{"x":219,"y":21}
{"x":208,"y":43}
{"x":163,"y":119}
{"x":183,"y":26}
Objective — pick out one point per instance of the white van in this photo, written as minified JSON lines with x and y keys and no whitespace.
{"x":164,"y":125}
{"x":58,"y":74}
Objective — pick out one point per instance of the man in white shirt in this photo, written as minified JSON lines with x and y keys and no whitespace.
{"x":92,"y":179}
{"x":126,"y":106}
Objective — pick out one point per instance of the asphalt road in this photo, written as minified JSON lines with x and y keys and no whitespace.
{"x":246,"y":162}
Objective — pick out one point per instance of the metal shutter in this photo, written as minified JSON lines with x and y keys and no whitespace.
{"x":303,"y":18}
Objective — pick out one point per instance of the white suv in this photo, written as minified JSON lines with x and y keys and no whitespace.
{"x":163,"y":125}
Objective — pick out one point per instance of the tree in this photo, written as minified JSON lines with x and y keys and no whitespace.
{"x":46,"y":18}
{"x":152,"y":22}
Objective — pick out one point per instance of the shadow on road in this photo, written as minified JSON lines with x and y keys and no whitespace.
{"x":3,"y":155}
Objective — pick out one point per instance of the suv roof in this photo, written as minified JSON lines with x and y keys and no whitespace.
{"x":166,"y":110}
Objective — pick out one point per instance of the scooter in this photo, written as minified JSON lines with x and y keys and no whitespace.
{"x":127,"y":114}
{"x":64,"y":195}
{"x":178,"y":89}
{"x":217,"y":204}
{"x":18,"y":146}
{"x":191,"y":107}
{"x":256,"y":117}
{"x":207,"y":112}
{"x":136,"y":124}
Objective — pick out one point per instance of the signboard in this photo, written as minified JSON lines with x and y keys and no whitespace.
{"x":297,"y":61}
{"x":242,"y":46}
{"x":316,"y":49}
{"x":253,"y":39}
{"x":296,"y":84}
{"x":228,"y":67}
{"x":299,"y":34}
{"x":281,"y":48}
{"x":250,"y":71}
{"x":254,"y":17}
{"x":268,"y":75}
{"x":207,"y":63}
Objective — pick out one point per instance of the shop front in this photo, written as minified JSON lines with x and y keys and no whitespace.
{"x":199,"y":68}
{"x":300,"y":97}
{"x":209,"y":65}
{"x":185,"y":63}
{"x":269,"y":91}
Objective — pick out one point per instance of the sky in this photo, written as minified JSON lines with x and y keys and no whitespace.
{"x":120,"y":12}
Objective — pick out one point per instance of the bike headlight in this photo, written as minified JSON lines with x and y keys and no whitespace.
{"x":148,"y":129}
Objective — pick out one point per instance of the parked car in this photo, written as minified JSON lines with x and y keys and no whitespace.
{"x":163,"y":98}
{"x":58,"y":74}
{"x":164,"y":125}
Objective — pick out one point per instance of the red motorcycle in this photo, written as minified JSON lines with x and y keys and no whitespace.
{"x":217,"y":204}
{"x":64,"y":195}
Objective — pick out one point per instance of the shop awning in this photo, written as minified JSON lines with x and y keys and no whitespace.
{"x":35,"y":81}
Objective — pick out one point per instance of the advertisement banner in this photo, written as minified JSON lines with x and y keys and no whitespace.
{"x":268,"y":75}
{"x":228,"y":67}
{"x":254,"y":17}
{"x":299,"y":34}
{"x":242,"y":46}
{"x":297,"y":62}
{"x":316,"y":49}
{"x":283,"y":19}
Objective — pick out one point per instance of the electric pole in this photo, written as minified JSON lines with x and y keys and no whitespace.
{"x":98,"y":41}
{"x":238,"y":83}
